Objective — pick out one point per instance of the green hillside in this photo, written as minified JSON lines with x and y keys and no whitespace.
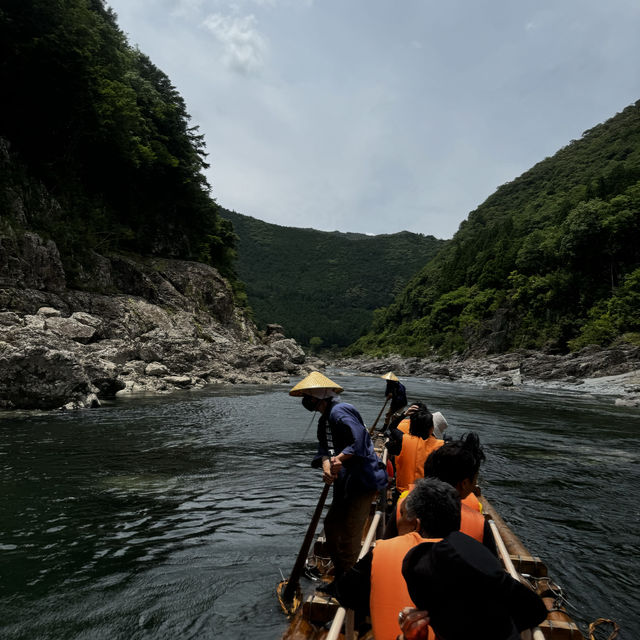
{"x":324,"y":284}
{"x":90,"y":120}
{"x":550,"y":261}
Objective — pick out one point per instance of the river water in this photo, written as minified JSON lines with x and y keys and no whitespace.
{"x":173,"y":517}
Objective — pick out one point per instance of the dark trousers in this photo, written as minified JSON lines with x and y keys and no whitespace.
{"x":343,"y":527}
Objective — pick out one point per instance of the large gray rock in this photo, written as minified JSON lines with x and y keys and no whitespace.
{"x":29,"y":262}
{"x":36,"y":376}
{"x":289,"y":349}
{"x":173,"y":325}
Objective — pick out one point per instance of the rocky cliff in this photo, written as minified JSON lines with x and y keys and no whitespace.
{"x":165,"y":324}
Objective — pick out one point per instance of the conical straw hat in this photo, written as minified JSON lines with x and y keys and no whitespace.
{"x":315,"y":380}
{"x":390,"y":376}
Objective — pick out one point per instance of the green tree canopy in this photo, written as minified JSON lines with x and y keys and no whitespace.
{"x":546,"y":262}
{"x":107,"y":134}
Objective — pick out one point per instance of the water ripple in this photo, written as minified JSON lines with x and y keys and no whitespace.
{"x":174,"y":517}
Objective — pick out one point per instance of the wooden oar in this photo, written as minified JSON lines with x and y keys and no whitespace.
{"x":287,"y":589}
{"x":378,"y":418}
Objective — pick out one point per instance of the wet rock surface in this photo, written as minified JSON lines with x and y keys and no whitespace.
{"x":614,"y":371}
{"x":170,"y":325}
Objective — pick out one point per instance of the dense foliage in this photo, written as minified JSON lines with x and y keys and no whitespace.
{"x":322,"y":286}
{"x":94,"y":121}
{"x":549,"y":261}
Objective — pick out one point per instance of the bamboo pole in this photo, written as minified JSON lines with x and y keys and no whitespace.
{"x":535,"y":634}
{"x":291,"y":584}
{"x":373,"y":426}
{"x":336,"y":625}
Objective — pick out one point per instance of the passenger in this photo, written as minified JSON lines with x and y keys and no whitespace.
{"x":412,"y":449}
{"x":472,"y":500}
{"x":462,"y":591}
{"x":401,"y":420}
{"x":348,"y":461}
{"x":396,"y":392}
{"x":375,"y":584}
{"x":458,"y":464}
{"x":440,"y":426}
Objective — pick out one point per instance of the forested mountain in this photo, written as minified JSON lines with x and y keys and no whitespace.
{"x":324,"y":286}
{"x":91,"y":121}
{"x":550,"y":261}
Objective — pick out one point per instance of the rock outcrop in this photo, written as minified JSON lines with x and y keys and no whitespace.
{"x":168,"y":324}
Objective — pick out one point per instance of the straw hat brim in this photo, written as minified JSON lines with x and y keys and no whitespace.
{"x":315,"y":380}
{"x":390,"y":376}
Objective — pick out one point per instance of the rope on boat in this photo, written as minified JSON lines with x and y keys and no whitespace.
{"x":550,"y":590}
{"x":598,"y":622}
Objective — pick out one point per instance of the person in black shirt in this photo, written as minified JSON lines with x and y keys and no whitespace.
{"x":396,"y":393}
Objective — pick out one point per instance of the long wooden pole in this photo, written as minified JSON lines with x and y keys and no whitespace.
{"x":336,"y":625}
{"x":290,"y":588}
{"x":373,"y":426}
{"x":527,"y":634}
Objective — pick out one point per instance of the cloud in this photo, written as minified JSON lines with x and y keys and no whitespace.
{"x":186,"y":8}
{"x":244,"y":46}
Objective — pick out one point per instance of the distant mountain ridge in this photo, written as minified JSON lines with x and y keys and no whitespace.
{"x":323,"y":284}
{"x":550,"y":261}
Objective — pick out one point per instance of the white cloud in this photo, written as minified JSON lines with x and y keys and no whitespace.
{"x":405,"y":120}
{"x":244,"y":46}
{"x":186,"y":8}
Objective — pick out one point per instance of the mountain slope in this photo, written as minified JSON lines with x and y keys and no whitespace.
{"x":549,"y":261}
{"x":323,"y":284}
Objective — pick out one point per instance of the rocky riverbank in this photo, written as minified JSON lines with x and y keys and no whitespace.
{"x":168,"y":324}
{"x":614,"y":372}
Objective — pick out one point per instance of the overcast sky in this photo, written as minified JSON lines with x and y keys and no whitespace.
{"x":376,"y":116}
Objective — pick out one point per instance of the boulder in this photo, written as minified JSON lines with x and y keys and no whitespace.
{"x":156,"y":369}
{"x":289,"y":349}
{"x":36,"y":376}
{"x":71,"y":329}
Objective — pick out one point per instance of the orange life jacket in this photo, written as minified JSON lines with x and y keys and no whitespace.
{"x":404,"y":425}
{"x":472,"y":522}
{"x":389,"y":593}
{"x":472,"y":501}
{"x":410,"y":460}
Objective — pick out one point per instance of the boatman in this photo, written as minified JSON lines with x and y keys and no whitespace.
{"x":396,"y":392}
{"x":348,"y":462}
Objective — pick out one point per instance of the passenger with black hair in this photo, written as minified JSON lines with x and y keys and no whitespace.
{"x":375,"y":584}
{"x":457,"y":463}
{"x":413,"y":448}
{"x":402,"y":420}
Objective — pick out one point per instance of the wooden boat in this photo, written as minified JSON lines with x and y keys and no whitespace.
{"x":315,"y":616}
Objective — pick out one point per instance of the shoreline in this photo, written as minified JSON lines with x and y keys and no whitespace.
{"x":613,"y":373}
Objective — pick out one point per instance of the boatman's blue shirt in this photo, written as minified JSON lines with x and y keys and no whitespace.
{"x":363,"y":472}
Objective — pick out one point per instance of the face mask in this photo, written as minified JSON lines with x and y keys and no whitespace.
{"x":310,"y":403}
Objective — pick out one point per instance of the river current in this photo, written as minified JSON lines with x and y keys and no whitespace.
{"x":175,"y":516}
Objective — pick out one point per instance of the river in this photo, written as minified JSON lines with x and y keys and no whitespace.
{"x":173,"y":517}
